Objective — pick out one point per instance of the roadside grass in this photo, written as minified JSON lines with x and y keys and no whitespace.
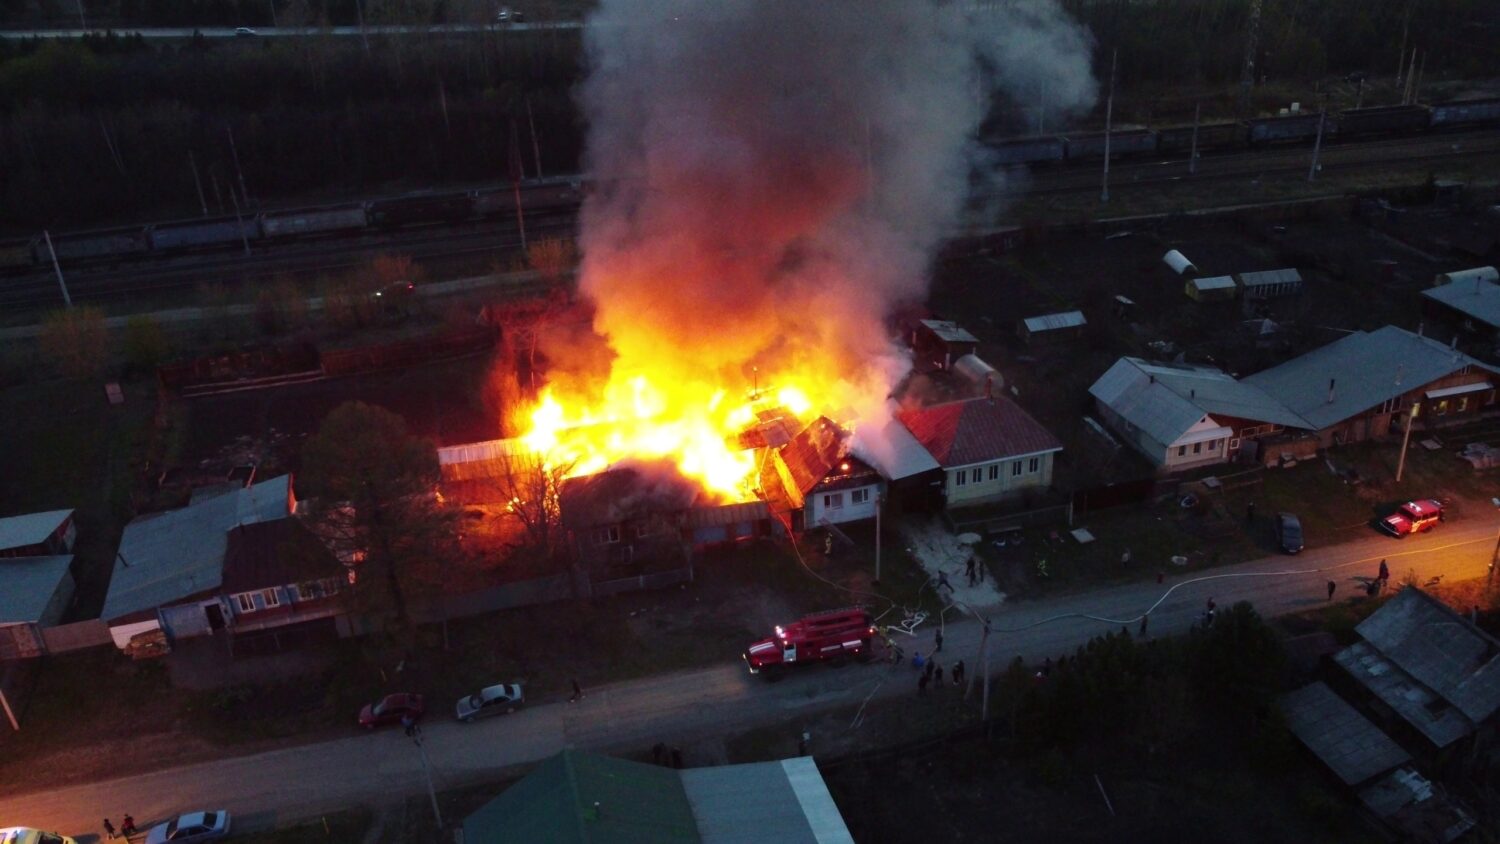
{"x":345,"y":827}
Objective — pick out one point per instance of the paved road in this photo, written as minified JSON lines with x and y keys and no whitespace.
{"x":285,"y":785}
{"x":289,"y":31}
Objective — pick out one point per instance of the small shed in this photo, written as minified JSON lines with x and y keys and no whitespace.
{"x":976,"y":371}
{"x":1052,"y":328}
{"x":1474,"y":276}
{"x":1179,"y":263}
{"x":1271,"y":284}
{"x":1219,"y":288}
{"x":940,"y":342}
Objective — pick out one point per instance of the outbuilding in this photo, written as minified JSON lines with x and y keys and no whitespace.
{"x":1270,"y":284}
{"x":1052,"y":328}
{"x":1219,"y":288}
{"x":938,"y":343}
{"x":37,"y":534}
{"x":1179,"y":263}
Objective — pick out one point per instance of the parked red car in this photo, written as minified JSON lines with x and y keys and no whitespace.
{"x":391,"y":709}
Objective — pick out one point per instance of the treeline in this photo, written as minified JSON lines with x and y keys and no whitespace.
{"x":110,"y":129}
{"x":65,"y":13}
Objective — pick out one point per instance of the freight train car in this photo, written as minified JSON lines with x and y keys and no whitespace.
{"x":198,"y":234}
{"x":106,"y":243}
{"x":421,"y":208}
{"x":308,"y":221}
{"x":1466,"y":113}
{"x":1126,"y":142}
{"x":1017,"y":151}
{"x":1176,"y":139}
{"x":1288,"y":128}
{"x":1381,"y":120}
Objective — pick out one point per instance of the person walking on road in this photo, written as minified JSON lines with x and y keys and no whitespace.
{"x":1144,"y":620}
{"x":969,"y":569}
{"x":109,"y":829}
{"x":127,"y":825}
{"x":958,"y":673}
{"x":577,"y":691}
{"x":1385,"y":575}
{"x":1250,"y":514}
{"x":939,"y":648}
{"x":937,"y":675}
{"x":1331,"y":586}
{"x":922,"y":684}
{"x":931,"y":664}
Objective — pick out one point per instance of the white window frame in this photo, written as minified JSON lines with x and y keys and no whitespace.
{"x":977,"y":476}
{"x":994,"y":471}
{"x":607,"y":535}
{"x":960,"y":477}
{"x":833,"y":501}
{"x":244,"y":602}
{"x":1033,"y":465}
{"x":1015,"y":468}
{"x":859,"y":496}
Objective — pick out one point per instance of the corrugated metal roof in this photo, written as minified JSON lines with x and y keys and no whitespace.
{"x":963,"y":433}
{"x":1367,"y":367}
{"x":1052,"y":322}
{"x":27,"y":585}
{"x":949,"y":331}
{"x":727,"y":514}
{"x":30,"y":528}
{"x":576,"y":798}
{"x":1469,"y":276}
{"x":482,"y":451}
{"x":1440,"y":648}
{"x":1265,"y":277}
{"x":1418,"y":705}
{"x":784,"y":801}
{"x":1167,"y":399}
{"x":1478,"y":300}
{"x":164,"y":557}
{"x":893,"y":451}
{"x":1217,"y":282}
{"x":1336,"y":733}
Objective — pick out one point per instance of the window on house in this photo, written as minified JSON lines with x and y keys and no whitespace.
{"x":833,"y":501}
{"x":1463,"y":404}
{"x":1234,"y":444}
{"x":642,"y":530}
{"x":1015,"y":468}
{"x":245,"y":602}
{"x":1033,"y":465}
{"x":1213,"y":445}
{"x":1197,"y":448}
{"x":994,"y":471}
{"x":977,"y":475}
{"x":859,"y":496}
{"x":1442,"y":408}
{"x":1182,"y":451}
{"x":607,"y":536}
{"x":272,"y":597}
{"x":960,"y":478}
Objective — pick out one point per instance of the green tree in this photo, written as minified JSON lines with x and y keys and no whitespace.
{"x":76,"y":341}
{"x":374,"y":491}
{"x":146,"y":344}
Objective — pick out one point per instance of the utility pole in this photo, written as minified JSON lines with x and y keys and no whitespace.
{"x":515,"y":181}
{"x":359,"y":12}
{"x":1406,"y":439}
{"x":1193,"y":157}
{"x":1401,"y":54}
{"x":198,"y":183}
{"x":1312,"y":169}
{"x":878,"y":501}
{"x":1416,"y":91}
{"x":1109,"y":113}
{"x":68,"y":300}
{"x":1411,"y":73}
{"x":1359,"y":97}
{"x":1247,"y":68}
{"x":272,"y":4}
{"x":416,"y":736}
{"x":235,"y":153}
{"x":239,"y":222}
{"x":82,"y":21}
{"x":536,"y":149}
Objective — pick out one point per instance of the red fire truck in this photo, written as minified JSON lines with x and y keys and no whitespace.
{"x":1413,"y":517}
{"x":813,"y":638}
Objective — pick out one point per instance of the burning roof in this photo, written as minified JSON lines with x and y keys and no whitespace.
{"x":624,"y":494}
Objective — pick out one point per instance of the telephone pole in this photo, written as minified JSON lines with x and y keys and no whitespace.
{"x":68,"y":300}
{"x":1109,"y":113}
{"x":1193,"y":156}
{"x":198,"y":183}
{"x":1312,"y":169}
{"x":235,"y":154}
{"x":1247,"y":69}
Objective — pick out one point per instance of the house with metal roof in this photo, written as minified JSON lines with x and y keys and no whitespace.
{"x":37,"y":534}
{"x":1347,"y":742}
{"x":1052,"y":328}
{"x":170,"y":566}
{"x":1433,"y":670}
{"x":1181,"y":415}
{"x":818,"y":480}
{"x":1270,"y":284}
{"x":584,"y":798}
{"x":1363,"y":385}
{"x":1218,"y":288}
{"x":988,"y":448}
{"x":938,"y":343}
{"x":1472,"y":302}
{"x":34,"y":593}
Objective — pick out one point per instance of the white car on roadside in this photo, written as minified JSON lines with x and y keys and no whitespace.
{"x":491,"y":701}
{"x":191,"y":828}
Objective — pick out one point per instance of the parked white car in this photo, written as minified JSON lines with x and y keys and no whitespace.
{"x":191,"y":828}
{"x":491,"y":701}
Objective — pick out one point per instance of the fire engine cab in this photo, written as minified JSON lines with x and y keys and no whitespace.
{"x":814,"y":638}
{"x":1413,"y":517}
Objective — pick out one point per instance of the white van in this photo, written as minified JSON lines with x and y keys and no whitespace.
{"x":27,"y":835}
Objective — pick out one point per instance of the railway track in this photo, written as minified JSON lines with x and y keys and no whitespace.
{"x":499,"y":239}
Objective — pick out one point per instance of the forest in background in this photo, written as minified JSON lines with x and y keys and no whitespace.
{"x":108,"y":129}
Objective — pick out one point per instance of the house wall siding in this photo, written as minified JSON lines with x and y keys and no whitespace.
{"x":818,"y":511}
{"x":1006,"y":483}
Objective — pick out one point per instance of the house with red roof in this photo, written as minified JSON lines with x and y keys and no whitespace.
{"x":989,"y":448}
{"x":818,"y":480}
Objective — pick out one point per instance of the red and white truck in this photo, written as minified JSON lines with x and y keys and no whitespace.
{"x":1413,"y":517}
{"x":814,"y":638}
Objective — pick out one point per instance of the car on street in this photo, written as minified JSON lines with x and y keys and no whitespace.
{"x":191,"y":828}
{"x":244,"y":32}
{"x":27,"y":835}
{"x":1289,"y":532}
{"x":1417,"y":516}
{"x":491,"y":701}
{"x":392,"y":709}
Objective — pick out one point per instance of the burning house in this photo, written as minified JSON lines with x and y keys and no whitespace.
{"x":626,"y":520}
{"x":817,"y":479}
